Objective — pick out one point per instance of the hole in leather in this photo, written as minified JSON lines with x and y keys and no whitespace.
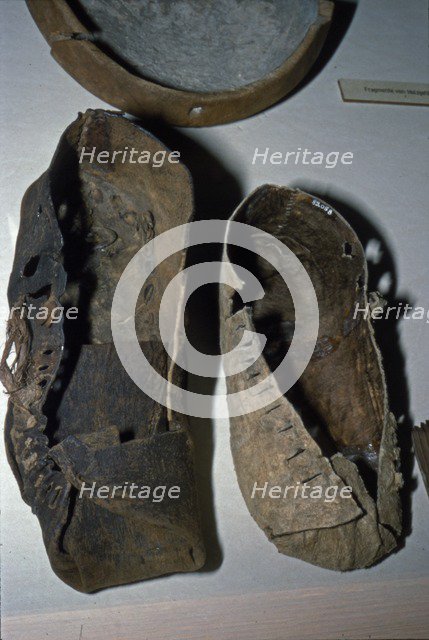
{"x":385,"y":283}
{"x":43,"y":292}
{"x":31,"y":267}
{"x":237,"y":303}
{"x":348,"y":250}
{"x":127,"y":435}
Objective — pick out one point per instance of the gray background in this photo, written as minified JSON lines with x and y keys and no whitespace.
{"x":385,"y":190}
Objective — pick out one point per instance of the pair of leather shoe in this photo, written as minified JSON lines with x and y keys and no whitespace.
{"x":76,"y":422}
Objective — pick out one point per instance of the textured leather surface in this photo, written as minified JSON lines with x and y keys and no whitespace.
{"x":74,"y":415}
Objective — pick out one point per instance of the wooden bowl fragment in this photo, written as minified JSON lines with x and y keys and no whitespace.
{"x":188,"y":63}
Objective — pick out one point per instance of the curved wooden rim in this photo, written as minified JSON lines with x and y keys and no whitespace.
{"x":109,"y":81}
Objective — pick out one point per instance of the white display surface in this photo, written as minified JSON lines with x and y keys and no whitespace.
{"x":386,"y":186}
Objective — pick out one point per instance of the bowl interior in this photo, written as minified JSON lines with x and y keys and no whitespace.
{"x":198,"y":45}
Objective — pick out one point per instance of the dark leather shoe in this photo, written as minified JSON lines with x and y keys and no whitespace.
{"x":75,"y":418}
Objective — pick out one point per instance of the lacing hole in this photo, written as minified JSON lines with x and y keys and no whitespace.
{"x":31,"y":267}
